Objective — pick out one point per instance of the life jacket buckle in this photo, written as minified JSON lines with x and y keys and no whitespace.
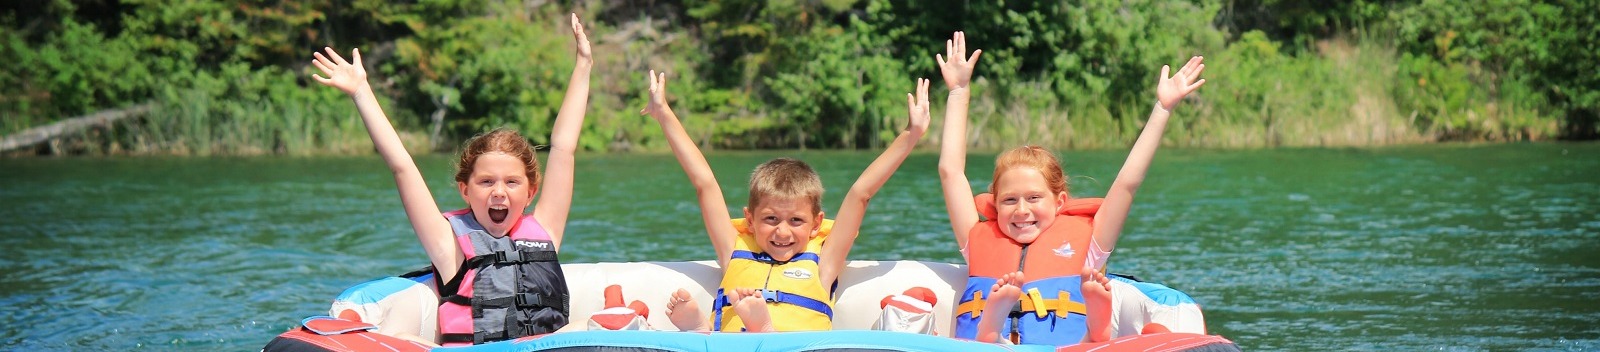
{"x":529,"y":299}
{"x":1039,"y":308}
{"x":508,"y":257}
{"x":771,"y":296}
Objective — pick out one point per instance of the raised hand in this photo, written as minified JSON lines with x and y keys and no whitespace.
{"x":918,"y":106}
{"x":347,"y":76}
{"x":958,"y":71}
{"x":1171,"y":90}
{"x":658,"y":95}
{"x":584,"y":53}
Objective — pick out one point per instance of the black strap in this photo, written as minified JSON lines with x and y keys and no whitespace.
{"x":485,"y":337}
{"x":1023,"y":260}
{"x":515,"y":301}
{"x":418,"y":273}
{"x":525,"y":300}
{"x":457,"y":299}
{"x":522,"y":256}
{"x":448,"y":289}
{"x":1125,"y":276}
{"x":455,"y":338}
{"x":506,"y":257}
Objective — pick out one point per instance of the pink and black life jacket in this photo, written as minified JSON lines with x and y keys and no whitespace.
{"x":509,"y":287}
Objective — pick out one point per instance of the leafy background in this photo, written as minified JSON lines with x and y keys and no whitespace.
{"x":232,"y":76}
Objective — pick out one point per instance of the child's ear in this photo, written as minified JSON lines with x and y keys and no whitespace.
{"x":1061,"y":200}
{"x":820,"y":218}
{"x":749,"y":222}
{"x":462,"y":186}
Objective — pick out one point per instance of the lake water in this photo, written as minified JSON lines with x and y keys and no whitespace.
{"x":1445,"y":247}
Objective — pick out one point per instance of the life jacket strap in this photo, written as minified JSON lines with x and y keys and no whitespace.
{"x":456,"y":338}
{"x":515,"y":301}
{"x":775,"y":296}
{"x":449,"y":287}
{"x":479,"y":337}
{"x":1032,"y":302}
{"x":509,"y":257}
{"x":457,"y":299}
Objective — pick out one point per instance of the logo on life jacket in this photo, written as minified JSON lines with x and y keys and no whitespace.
{"x":1065,"y":251}
{"x":797,"y":273}
{"x":534,"y":244}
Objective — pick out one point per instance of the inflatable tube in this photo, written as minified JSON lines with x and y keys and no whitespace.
{"x":814,"y":341}
{"x":823,"y":341}
{"x":405,"y":305}
{"x":1138,"y":305}
{"x":324,"y":334}
{"x":859,"y":303}
{"x":862,"y":286}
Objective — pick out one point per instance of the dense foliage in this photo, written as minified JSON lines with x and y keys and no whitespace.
{"x":231,"y":76}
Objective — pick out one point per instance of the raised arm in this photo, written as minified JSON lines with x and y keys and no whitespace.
{"x":847,"y":224}
{"x":555,"y":200}
{"x":1119,"y":198}
{"x":713,"y":208}
{"x":953,"y":144}
{"x":432,"y":230}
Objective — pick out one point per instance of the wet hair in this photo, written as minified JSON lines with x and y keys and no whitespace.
{"x":499,"y":140}
{"x":1035,"y":157}
{"x":786,"y":178}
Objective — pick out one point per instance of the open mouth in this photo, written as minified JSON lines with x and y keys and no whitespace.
{"x":778,"y":244}
{"x":498,"y":214}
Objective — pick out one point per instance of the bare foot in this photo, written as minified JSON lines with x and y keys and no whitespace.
{"x":684,"y":312}
{"x":1097,"y":296}
{"x":752,"y":308}
{"x":1002,"y":298}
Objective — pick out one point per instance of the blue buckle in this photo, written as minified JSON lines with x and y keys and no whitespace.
{"x":771,"y":296}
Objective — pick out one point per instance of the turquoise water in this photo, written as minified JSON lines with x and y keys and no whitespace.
{"x":1450,"y":247}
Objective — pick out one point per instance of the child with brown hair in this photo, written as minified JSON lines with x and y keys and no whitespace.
{"x":504,"y":280}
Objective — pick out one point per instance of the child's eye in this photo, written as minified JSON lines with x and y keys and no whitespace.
{"x":770,"y":220}
{"x":1009,"y":201}
{"x":1034,"y":198}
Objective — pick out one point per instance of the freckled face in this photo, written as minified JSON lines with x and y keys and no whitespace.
{"x":497,"y":191}
{"x":1024,"y":204}
{"x":782,"y":227}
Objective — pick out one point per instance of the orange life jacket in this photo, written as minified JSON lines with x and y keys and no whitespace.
{"x":1052,"y":309}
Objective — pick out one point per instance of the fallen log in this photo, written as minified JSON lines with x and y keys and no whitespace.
{"x":41,"y":134}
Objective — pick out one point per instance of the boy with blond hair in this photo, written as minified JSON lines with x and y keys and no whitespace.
{"x":780,"y":262}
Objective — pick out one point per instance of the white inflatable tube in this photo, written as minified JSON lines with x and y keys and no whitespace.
{"x":408,"y":306}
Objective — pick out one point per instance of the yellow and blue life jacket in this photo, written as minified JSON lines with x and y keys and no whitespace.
{"x":796,"y":297}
